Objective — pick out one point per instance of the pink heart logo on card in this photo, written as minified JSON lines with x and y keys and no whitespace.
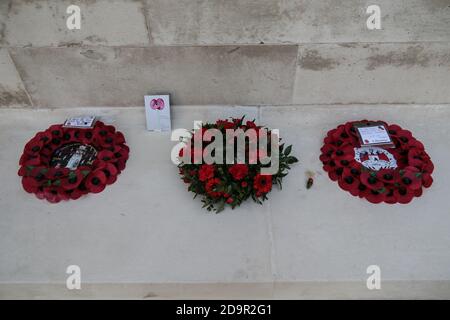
{"x":157,"y":104}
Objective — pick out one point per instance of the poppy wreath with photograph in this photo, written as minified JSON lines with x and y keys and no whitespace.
{"x":378,"y":174}
{"x":66,"y":163}
{"x":229,"y":183}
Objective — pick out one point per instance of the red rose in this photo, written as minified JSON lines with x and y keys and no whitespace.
{"x":238,"y":171}
{"x":211,"y":188}
{"x":225,"y":124}
{"x":206,"y":172}
{"x":250,"y":124}
{"x":262,"y":183}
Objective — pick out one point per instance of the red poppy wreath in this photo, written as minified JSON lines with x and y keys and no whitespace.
{"x":390,"y":175}
{"x":66,"y":163}
{"x":229,"y":184}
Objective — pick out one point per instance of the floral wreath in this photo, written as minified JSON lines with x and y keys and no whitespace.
{"x":223,"y":185}
{"x":390,"y":175}
{"x":54,"y":184}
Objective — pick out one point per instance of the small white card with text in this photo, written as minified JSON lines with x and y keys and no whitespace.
{"x":157,"y":112}
{"x":80,"y":122}
{"x":374,"y":135}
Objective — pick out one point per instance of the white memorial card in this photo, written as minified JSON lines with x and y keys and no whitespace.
{"x":374,"y":135}
{"x":80,"y":122}
{"x":157,"y":112}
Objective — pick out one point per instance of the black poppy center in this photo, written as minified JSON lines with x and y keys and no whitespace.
{"x":388,"y":176}
{"x":372,"y":180}
{"x":95,"y":181}
{"x":344,"y":162}
{"x":35,"y":149}
{"x":404,"y":139}
{"x":58,"y":174}
{"x":349,"y":179}
{"x":339,"y":153}
{"x":103,"y":133}
{"x":406,"y":180}
{"x":354,"y":171}
{"x":339,"y":171}
{"x":73,"y":180}
{"x":109,"y":140}
{"x":362,"y":187}
{"x":402,"y":191}
{"x":55,"y":132}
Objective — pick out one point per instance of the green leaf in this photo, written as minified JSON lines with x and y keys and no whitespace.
{"x":291,"y":160}
{"x":288,"y":150}
{"x":57,"y":183}
{"x":85,"y":172}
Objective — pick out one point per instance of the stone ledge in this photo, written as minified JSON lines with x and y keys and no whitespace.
{"x":278,"y":290}
{"x":296,"y":245}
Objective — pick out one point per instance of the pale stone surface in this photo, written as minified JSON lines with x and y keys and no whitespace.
{"x":144,"y":228}
{"x":216,"y":22}
{"x":294,"y":21}
{"x":373,"y":73}
{"x":336,"y":235}
{"x":104,"y":22}
{"x":12,"y":91}
{"x":144,"y":236}
{"x":248,"y":75}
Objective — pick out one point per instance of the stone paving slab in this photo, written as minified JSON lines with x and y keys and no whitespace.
{"x":144,"y":236}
